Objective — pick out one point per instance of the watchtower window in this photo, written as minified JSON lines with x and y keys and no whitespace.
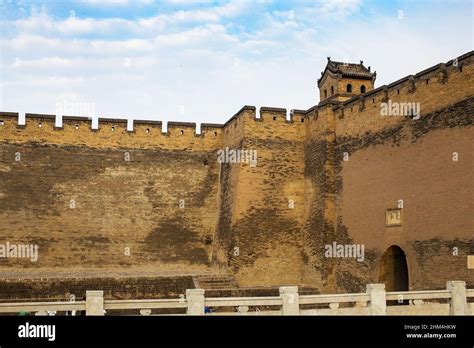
{"x":362,"y":89}
{"x":325,"y":93}
{"x":332,"y":90}
{"x":274,"y":118}
{"x":148,"y":130}
{"x":113,"y":129}
{"x":2,"y":123}
{"x":182,"y":132}
{"x":349,"y":88}
{"x":77,"y":126}
{"x":302,"y":119}
{"x":39,"y":125}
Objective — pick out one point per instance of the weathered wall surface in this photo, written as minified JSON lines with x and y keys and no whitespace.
{"x":102,"y":207}
{"x":263,"y":237}
{"x":399,"y":158}
{"x":228,"y":187}
{"x":319,"y":173}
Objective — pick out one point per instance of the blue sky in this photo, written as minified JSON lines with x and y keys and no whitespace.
{"x":201,"y":61}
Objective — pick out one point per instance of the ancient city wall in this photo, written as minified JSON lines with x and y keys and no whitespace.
{"x":319,"y":174}
{"x":400,"y":158}
{"x":108,"y":201}
{"x":261,"y":230}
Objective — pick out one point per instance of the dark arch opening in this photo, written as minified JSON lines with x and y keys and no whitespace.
{"x":349,"y":88}
{"x":325,"y":93}
{"x":362,"y":89}
{"x":394,"y":269}
{"x":332,"y":90}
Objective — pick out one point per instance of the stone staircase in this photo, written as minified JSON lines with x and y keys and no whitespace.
{"x":215,"y":282}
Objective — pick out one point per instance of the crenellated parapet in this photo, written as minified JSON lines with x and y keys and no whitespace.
{"x":425,"y":92}
{"x":433,"y":88}
{"x":110,"y":133}
{"x":113,"y":132}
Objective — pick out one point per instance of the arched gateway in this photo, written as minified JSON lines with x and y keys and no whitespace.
{"x":394,"y":269}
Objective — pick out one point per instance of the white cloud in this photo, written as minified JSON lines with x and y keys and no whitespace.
{"x":41,"y":23}
{"x":148,"y":67}
{"x":114,"y":2}
{"x":338,"y":8}
{"x":187,"y":2}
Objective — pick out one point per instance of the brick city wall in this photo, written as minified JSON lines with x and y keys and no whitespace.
{"x":259,"y":235}
{"x":103,"y":201}
{"x":106,"y":202}
{"x":398,"y":158}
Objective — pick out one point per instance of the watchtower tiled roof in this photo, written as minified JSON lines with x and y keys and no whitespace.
{"x":353,"y":70}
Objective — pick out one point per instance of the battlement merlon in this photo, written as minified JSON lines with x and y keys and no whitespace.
{"x":267,"y":112}
{"x":181,"y":128}
{"x":245,"y":109}
{"x":212,"y":128}
{"x":147,"y":126}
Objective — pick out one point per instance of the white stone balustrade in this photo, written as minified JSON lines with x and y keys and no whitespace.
{"x":455,"y":300}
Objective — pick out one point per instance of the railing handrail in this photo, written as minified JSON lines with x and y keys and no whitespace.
{"x":242,"y":301}
{"x":419,"y":295}
{"x":274,"y":312}
{"x":149,"y":304}
{"x":325,"y":298}
{"x":42,"y":306}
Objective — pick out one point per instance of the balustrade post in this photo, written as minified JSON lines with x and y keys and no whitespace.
{"x":378,"y":300}
{"x":95,"y":302}
{"x":291,"y":301}
{"x":458,"y":304}
{"x":195,"y":298}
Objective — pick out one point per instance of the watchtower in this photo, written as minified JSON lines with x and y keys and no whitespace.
{"x":341,"y":81}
